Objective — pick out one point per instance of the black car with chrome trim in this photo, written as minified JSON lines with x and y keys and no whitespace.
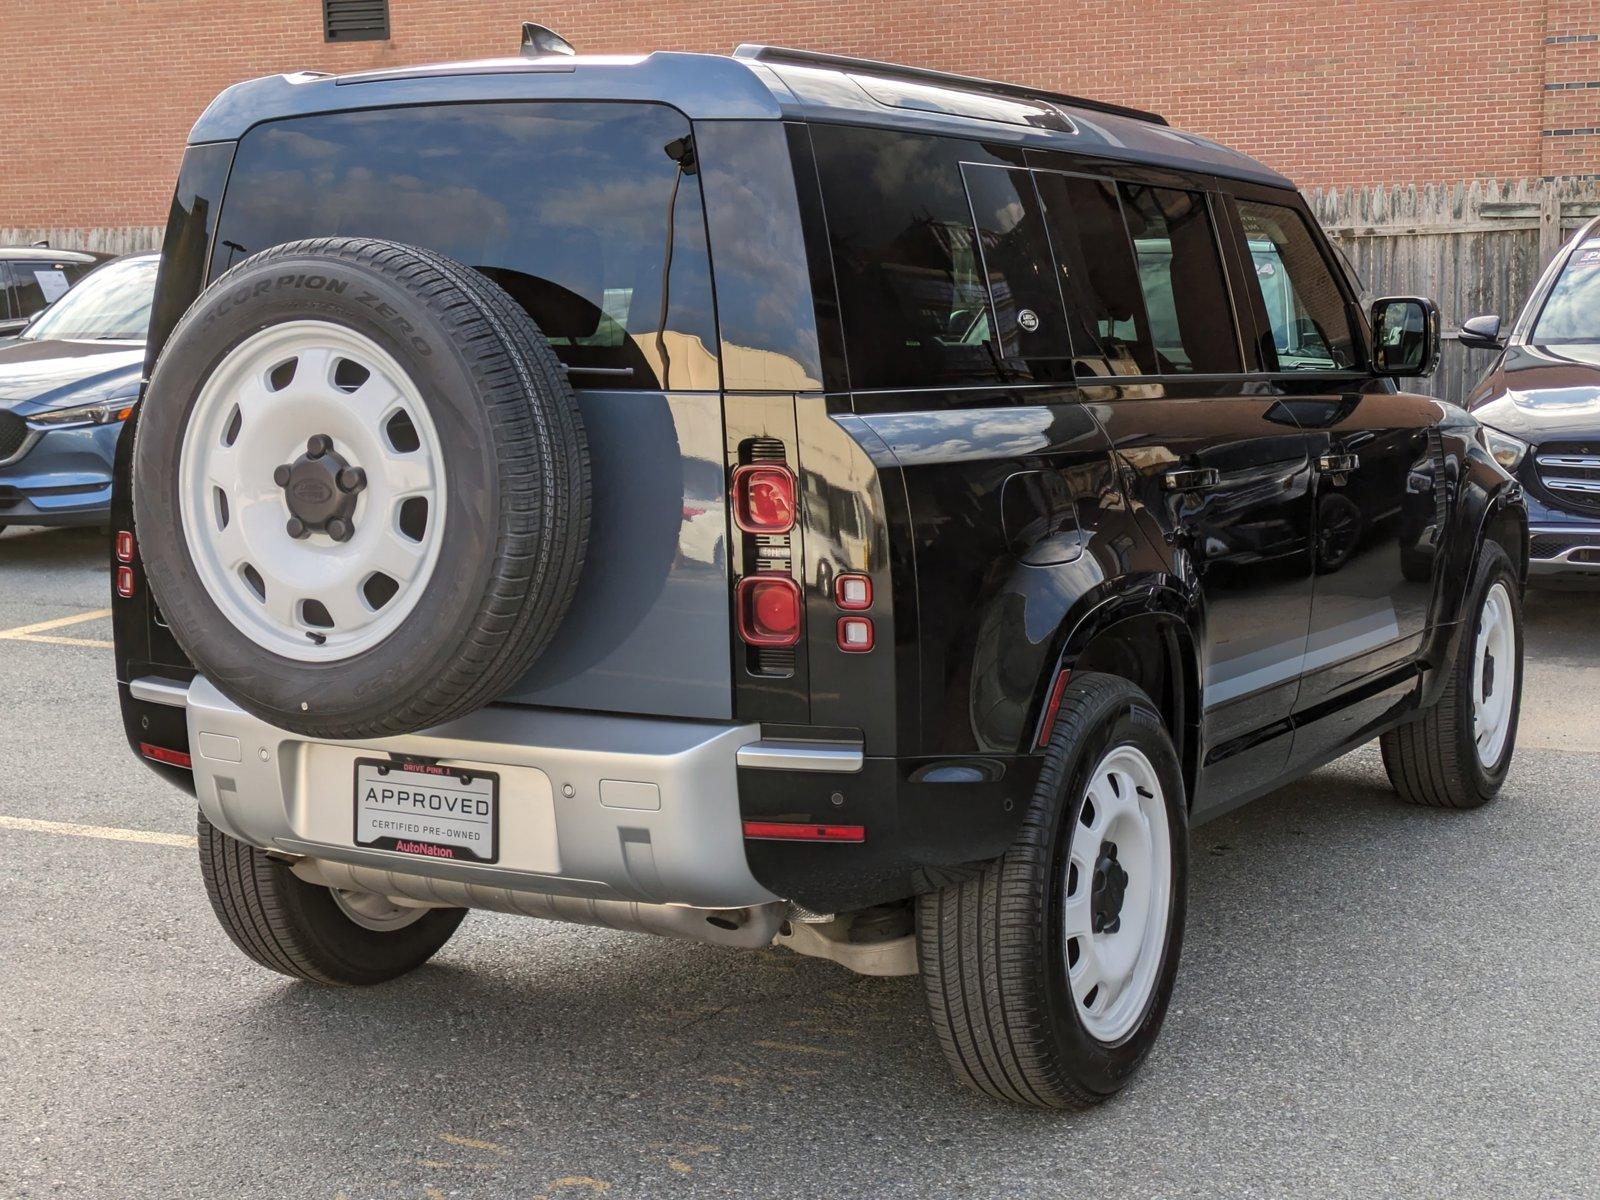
{"x":781,"y":498}
{"x":1540,"y":407}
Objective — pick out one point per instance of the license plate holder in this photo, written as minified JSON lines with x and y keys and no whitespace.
{"x":427,"y":810}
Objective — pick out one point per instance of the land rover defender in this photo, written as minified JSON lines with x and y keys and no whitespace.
{"x":781,"y":498}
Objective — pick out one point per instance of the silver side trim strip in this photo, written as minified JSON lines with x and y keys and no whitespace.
{"x":839,"y":758}
{"x":153,"y":689}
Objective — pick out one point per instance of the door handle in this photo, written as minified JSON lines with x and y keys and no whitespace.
{"x":1338,"y":464}
{"x":1191,"y":479}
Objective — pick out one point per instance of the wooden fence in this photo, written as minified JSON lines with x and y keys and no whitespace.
{"x":1473,"y":247}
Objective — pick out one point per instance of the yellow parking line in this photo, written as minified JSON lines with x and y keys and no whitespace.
{"x":61,"y":641}
{"x":69,"y":829}
{"x":26,"y":631}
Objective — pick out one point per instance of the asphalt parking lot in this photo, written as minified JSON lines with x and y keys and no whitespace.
{"x":1375,"y":1000}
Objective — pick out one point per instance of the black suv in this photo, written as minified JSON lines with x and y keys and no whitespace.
{"x":1540,"y":407}
{"x":781,"y":498}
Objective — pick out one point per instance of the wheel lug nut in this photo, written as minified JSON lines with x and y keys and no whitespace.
{"x":296,"y":527}
{"x":280,"y":476}
{"x":352,"y":479}
{"x":319,"y":445}
{"x":339,"y":530}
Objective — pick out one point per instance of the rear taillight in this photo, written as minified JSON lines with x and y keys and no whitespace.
{"x":763,"y":498}
{"x":124,"y":545}
{"x":126,"y":586}
{"x":855,"y":635}
{"x":769,"y":610}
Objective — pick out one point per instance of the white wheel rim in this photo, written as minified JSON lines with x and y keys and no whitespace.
{"x":1112,"y":973}
{"x":1494,"y":676}
{"x":249,"y":419}
{"x":377,"y":913}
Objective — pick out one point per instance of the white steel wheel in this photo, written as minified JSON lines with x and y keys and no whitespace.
{"x":1494,"y":675}
{"x":377,"y":913}
{"x":311,"y":491}
{"x":1117,"y":899}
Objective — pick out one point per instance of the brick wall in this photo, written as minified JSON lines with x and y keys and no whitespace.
{"x":100,"y":93}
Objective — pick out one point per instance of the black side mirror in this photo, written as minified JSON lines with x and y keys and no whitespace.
{"x":1405,"y":336}
{"x":1481,"y":333}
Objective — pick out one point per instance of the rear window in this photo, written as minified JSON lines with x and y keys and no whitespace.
{"x":581,"y":211}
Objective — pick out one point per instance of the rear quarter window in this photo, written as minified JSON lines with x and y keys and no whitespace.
{"x":569,"y":206}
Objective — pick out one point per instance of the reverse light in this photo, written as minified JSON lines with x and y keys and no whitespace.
{"x":855,"y":634}
{"x":853,"y":593}
{"x":763,"y":498}
{"x":124,"y":545}
{"x":797,"y":831}
{"x":769,"y":610}
{"x":126,"y":584}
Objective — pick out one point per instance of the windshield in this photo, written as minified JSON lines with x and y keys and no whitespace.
{"x":1572,"y":314}
{"x":111,"y":303}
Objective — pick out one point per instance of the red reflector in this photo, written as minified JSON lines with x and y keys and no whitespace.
{"x":855,"y":634}
{"x":124,"y":546}
{"x":125,"y":582}
{"x":769,"y":610}
{"x":175,"y":758}
{"x":763,"y":498}
{"x":852,"y":592}
{"x":793,"y":831}
{"x":1052,"y":707}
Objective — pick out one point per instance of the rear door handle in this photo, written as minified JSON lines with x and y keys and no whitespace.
{"x":1191,"y":479}
{"x":1338,"y":464}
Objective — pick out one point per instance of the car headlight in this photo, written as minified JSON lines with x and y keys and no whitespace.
{"x":104,"y":413}
{"x":1507,"y":450}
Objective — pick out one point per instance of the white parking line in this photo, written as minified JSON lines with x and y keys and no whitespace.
{"x":105,"y":832}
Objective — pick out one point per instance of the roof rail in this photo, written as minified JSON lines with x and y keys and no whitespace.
{"x":871,"y":66}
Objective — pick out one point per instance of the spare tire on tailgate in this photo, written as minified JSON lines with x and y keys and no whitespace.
{"x":361,"y":487}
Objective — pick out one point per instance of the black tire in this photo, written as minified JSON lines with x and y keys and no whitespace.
{"x":513,"y":448}
{"x":994,"y":959}
{"x":1433,"y":759}
{"x":295,"y":928}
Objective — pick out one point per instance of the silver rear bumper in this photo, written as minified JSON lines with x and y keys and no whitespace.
{"x":593,"y":806}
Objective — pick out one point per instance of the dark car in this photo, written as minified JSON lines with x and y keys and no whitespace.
{"x":66,"y":385}
{"x":787,"y":498}
{"x":34,"y":277}
{"x":1540,"y":406}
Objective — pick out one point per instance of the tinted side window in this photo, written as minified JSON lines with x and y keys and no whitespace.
{"x":913,"y":294}
{"x":569,"y":206}
{"x":1099,"y":277}
{"x":36,"y":284}
{"x":1310,"y":325}
{"x":1180,"y":272}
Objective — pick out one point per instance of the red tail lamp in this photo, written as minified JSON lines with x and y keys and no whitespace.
{"x":124,"y":545}
{"x":160,"y":754}
{"x":763,"y":498}
{"x":853,"y":593}
{"x":855,"y":634}
{"x":769,"y":610}
{"x":126,"y":585}
{"x":798,"y":831}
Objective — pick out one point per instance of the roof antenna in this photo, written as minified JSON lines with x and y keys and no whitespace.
{"x":539,"y":40}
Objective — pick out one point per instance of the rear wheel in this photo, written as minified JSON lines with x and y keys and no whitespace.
{"x":314,"y":933}
{"x":1048,"y":976}
{"x":1456,"y":754}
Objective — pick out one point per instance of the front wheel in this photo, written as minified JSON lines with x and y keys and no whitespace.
{"x":1048,"y":976}
{"x":1457,"y":753}
{"x":309,"y":932}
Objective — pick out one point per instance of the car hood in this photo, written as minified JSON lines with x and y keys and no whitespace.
{"x":1542,"y":393}
{"x":38,"y":376}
